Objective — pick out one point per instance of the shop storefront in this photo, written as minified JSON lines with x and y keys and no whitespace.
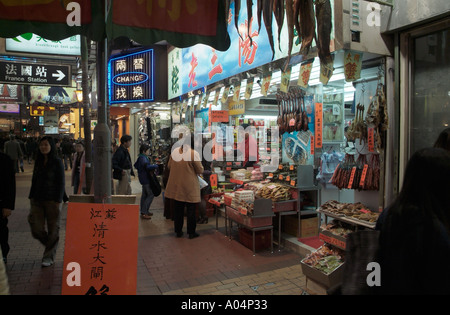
{"x":326,"y":124}
{"x":421,"y":33}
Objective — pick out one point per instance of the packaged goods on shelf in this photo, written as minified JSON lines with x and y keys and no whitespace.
{"x":245,"y":195}
{"x":241,"y":174}
{"x":338,"y":228}
{"x":257,"y":174}
{"x":356,"y":211}
{"x":274,"y":191}
{"x":326,"y":259}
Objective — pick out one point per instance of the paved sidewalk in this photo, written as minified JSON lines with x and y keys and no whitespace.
{"x":209,"y":264}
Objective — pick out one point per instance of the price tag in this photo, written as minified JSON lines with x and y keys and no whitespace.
{"x":280,"y":177}
{"x":271,"y":175}
{"x":363,"y":175}
{"x":352,"y":177}
{"x":280,"y":167}
{"x":213,"y":180}
{"x":288,"y":178}
{"x":371,"y":139}
{"x":293,"y":183}
{"x":291,"y":167}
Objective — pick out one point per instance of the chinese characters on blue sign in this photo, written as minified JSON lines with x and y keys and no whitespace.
{"x":130,"y":78}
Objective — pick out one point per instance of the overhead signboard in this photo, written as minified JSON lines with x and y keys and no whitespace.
{"x":32,"y":43}
{"x":130,"y":78}
{"x":35,"y":74}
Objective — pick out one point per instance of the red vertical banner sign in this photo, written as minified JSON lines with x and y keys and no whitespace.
{"x":318,"y":124}
{"x":100,"y":255}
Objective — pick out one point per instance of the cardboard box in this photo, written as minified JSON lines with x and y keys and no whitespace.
{"x":309,"y":226}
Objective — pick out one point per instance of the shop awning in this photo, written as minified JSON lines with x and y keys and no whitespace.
{"x":181,"y":23}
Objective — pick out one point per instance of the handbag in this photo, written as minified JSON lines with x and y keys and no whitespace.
{"x":154,"y":184}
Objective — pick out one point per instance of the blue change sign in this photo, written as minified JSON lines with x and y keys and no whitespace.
{"x":130,"y":78}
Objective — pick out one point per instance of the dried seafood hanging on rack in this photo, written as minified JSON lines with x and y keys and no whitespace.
{"x":360,"y":175}
{"x":377,"y":116}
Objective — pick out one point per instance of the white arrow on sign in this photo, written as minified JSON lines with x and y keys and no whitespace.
{"x":60,"y":75}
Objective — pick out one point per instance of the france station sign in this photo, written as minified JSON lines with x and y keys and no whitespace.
{"x":12,"y":72}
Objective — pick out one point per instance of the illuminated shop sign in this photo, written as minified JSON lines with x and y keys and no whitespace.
{"x":130,"y":78}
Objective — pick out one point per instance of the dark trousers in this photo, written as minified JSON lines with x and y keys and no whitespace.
{"x":4,"y":233}
{"x":178,"y":216}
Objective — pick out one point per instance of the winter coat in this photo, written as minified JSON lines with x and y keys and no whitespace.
{"x":82,"y":169}
{"x":183,"y":182}
{"x":8,"y":183}
{"x":13,"y":150}
{"x":121,"y":160}
{"x":48,"y":182}
{"x":144,"y":167}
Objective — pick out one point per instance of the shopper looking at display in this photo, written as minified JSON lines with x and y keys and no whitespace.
{"x":145,"y":170}
{"x":183,"y":185}
{"x":415,"y":229}
{"x":443,"y":140}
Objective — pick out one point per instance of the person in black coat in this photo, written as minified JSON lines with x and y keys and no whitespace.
{"x":46,"y":196}
{"x":7,"y":200}
{"x":415,"y":230}
{"x":122,"y":166}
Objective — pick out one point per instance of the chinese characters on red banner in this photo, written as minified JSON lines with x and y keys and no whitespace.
{"x":194,"y":64}
{"x":247,"y":45}
{"x":101,"y":249}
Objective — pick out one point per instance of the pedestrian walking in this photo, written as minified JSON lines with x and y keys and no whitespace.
{"x":145,"y":172}
{"x":46,"y":196}
{"x":13,"y":150}
{"x":31,"y":147}
{"x":122,"y":167}
{"x":183,"y":185}
{"x":7,"y":201}
{"x":67,"y":151}
{"x":415,"y":229}
{"x":79,"y":169}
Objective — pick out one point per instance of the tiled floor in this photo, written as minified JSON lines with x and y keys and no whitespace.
{"x":209,"y":264}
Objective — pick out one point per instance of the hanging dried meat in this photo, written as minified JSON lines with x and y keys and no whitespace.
{"x":307,"y":25}
{"x":237,"y":9}
{"x":324,"y":25}
{"x":267,"y":17}
{"x":278,"y":10}
{"x":290,"y":26}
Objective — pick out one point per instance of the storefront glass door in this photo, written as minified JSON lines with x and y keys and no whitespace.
{"x":430,"y":106}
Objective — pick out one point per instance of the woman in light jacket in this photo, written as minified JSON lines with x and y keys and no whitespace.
{"x":183,"y":186}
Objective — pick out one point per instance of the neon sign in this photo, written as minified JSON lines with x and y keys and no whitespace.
{"x":130,"y":78}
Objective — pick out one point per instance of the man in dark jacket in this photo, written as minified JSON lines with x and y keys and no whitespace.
{"x":7,"y":200}
{"x":122,"y":167}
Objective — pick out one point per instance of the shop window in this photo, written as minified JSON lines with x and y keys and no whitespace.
{"x":430,"y":108}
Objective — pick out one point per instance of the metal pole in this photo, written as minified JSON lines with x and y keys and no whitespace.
{"x":102,"y":133}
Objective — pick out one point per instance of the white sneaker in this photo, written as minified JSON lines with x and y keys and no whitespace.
{"x":47,"y":262}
